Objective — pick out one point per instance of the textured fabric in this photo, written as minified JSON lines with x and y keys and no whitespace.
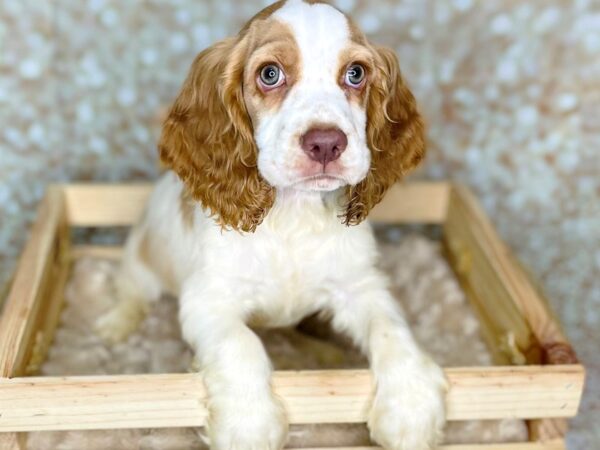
{"x":421,"y":281}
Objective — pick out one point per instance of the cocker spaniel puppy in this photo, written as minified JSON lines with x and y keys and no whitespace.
{"x":280,"y":142}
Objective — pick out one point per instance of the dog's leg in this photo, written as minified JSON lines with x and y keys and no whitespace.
{"x":135,"y":286}
{"x":244,"y":414}
{"x":408,"y":411}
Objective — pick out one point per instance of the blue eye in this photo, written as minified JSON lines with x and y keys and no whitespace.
{"x":271,"y":76}
{"x":355,"y":75}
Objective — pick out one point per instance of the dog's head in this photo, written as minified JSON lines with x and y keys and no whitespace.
{"x":298,"y":100}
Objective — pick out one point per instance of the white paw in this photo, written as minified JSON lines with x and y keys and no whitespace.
{"x":408,"y":411}
{"x":241,"y":423}
{"x":118,"y":323}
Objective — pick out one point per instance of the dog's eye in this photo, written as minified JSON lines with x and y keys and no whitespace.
{"x":355,"y":75}
{"x":271,"y":76}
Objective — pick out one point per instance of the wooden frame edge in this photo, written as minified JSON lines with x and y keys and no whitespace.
{"x":331,"y":396}
{"x":527,"y":298}
{"x":558,"y":444}
{"x":423,"y":202}
{"x":8,"y":442}
{"x":551,"y":345}
{"x":553,"y":341}
{"x":105,"y":205}
{"x":470,"y":253}
{"x":40,"y":263}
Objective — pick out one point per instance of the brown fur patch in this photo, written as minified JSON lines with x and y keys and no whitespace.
{"x":364,"y":56}
{"x":356,"y":34}
{"x":208,"y":139}
{"x":395,"y":134}
{"x":262,"y":15}
{"x":273,"y":42}
{"x":208,"y":136}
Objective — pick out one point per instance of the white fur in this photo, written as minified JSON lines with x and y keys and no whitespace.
{"x":300,"y":260}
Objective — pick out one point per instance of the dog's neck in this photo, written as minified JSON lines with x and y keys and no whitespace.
{"x":312,"y":210}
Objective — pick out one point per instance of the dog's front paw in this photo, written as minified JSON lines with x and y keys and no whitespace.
{"x":408,"y":410}
{"x":241,"y":423}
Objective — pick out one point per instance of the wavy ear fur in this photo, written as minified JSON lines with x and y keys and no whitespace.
{"x":395,"y":134}
{"x":207,"y":139}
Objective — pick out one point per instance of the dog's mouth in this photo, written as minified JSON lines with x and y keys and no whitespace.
{"x":321,"y":182}
{"x":322,"y":176}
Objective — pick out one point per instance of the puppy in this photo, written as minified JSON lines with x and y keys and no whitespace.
{"x":280,"y":142}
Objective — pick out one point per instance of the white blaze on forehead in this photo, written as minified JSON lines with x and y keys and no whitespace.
{"x":321,"y":33}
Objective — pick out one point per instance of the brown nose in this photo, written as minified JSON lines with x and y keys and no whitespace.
{"x":324,"y":145}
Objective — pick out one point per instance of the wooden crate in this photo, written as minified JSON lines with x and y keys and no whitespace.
{"x":537,"y":377}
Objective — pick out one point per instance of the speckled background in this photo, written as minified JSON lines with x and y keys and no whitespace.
{"x":511,"y":91}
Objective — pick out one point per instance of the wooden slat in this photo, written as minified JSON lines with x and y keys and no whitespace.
{"x":51,"y":305}
{"x":39,"y":275}
{"x":417,"y":202}
{"x":528,"y":300}
{"x":551,"y":445}
{"x":474,"y":259}
{"x":103,"y":205}
{"x":524,"y":294}
{"x":8,"y":442}
{"x":557,"y":444}
{"x":32,"y":283}
{"x":336,"y":396}
{"x":97,"y":251}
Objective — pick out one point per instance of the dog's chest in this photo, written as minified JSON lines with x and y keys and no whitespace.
{"x":291,"y":276}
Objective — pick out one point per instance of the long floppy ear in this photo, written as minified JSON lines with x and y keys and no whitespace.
{"x":395,"y":134}
{"x":207,"y":139}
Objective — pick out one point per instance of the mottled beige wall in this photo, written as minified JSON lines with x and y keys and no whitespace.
{"x":511,"y":91}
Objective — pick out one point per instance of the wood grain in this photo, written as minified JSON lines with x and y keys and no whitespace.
{"x":33,"y":282}
{"x":336,"y":396}
{"x":103,"y":205}
{"x":521,"y":299}
{"x":522,"y":291}
{"x":517,"y":321}
{"x":417,"y":202}
{"x":551,"y":445}
{"x":97,"y":251}
{"x":472,"y":252}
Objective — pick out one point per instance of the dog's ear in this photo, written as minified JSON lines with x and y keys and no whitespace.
{"x":395,"y":135}
{"x":207,"y":139}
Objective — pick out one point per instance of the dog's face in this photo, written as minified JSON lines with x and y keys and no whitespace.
{"x":298,"y":100}
{"x":305,"y":88}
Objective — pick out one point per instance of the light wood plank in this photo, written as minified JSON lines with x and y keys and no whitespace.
{"x":104,"y":205}
{"x":507,"y":333}
{"x":32,"y":282}
{"x":416,"y":202}
{"x":523,"y":293}
{"x":551,"y":445}
{"x":336,"y":396}
{"x":8,"y":441}
{"x":52,"y":303}
{"x":521,"y":299}
{"x":97,"y":251}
